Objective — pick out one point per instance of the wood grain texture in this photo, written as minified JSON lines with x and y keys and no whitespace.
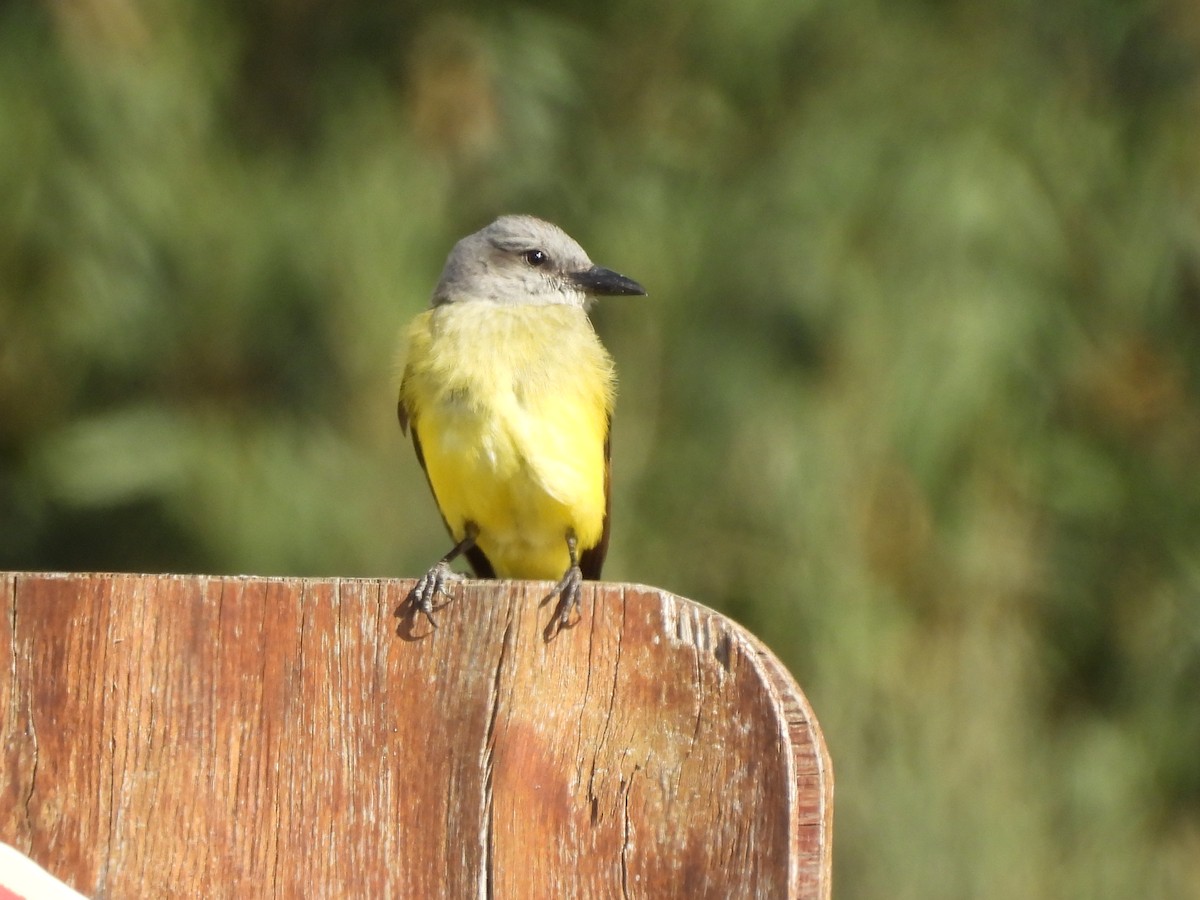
{"x":180,"y":736}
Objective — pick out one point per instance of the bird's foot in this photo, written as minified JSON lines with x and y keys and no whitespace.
{"x":423,"y":596}
{"x":569,"y":590}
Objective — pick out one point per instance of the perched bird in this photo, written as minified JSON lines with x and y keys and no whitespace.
{"x":509,"y":395}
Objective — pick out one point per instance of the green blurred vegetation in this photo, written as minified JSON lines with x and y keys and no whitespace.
{"x":916,"y":395}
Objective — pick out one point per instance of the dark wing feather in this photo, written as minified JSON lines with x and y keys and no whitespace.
{"x":481,"y":565}
{"x":591,"y":560}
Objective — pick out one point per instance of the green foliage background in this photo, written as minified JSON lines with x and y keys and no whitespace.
{"x":915,"y":396}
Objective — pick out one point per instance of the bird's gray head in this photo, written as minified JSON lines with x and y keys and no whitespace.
{"x":520,"y":259}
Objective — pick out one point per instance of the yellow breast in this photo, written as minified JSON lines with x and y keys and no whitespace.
{"x":511,"y":404}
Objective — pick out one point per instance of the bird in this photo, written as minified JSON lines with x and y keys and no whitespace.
{"x":508,"y":395}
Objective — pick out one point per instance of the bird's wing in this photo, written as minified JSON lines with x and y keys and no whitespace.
{"x":481,"y":565}
{"x":591,"y":560}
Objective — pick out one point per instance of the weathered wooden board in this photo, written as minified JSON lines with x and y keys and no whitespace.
{"x":184,"y":736}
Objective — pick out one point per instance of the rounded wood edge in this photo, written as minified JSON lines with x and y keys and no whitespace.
{"x":799,"y":727}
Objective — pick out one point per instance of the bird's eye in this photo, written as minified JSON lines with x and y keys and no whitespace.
{"x":536,"y":257}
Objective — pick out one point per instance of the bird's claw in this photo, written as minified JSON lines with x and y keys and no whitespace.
{"x":569,"y":591}
{"x":425,"y":591}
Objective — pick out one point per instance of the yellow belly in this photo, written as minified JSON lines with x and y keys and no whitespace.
{"x":511,"y":405}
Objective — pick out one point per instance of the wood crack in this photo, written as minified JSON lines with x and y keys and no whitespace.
{"x":30,"y":730}
{"x":487,"y":834}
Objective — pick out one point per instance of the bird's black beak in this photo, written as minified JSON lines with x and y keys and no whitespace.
{"x":606,"y":282}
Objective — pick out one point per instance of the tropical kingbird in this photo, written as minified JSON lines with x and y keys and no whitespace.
{"x":509,"y":394}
